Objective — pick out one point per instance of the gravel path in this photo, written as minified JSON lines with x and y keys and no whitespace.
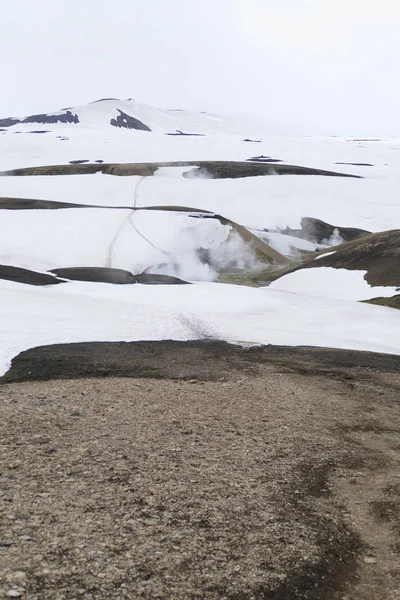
{"x":265,"y":479}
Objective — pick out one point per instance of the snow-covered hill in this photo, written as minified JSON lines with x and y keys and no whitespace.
{"x":128,"y":114}
{"x":202,"y":229}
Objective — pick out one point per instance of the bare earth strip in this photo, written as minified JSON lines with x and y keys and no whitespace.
{"x":217,"y":473}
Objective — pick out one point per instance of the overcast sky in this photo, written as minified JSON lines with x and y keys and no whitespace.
{"x":291,"y":66}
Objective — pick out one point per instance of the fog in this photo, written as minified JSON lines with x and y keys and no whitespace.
{"x":289,"y":67}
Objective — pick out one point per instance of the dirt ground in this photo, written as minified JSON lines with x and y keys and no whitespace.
{"x":200,"y":471}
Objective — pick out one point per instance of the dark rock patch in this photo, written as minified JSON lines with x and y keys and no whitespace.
{"x":96,"y":274}
{"x":365,"y":140}
{"x":393,"y":302}
{"x":78,"y":162}
{"x":116,"y":276}
{"x":99,"y":161}
{"x":40,"y":131}
{"x":355,"y":164}
{"x":103,"y":100}
{"x":124,"y":120}
{"x":33,"y":204}
{"x":264,"y":159}
{"x":9,"y":122}
{"x":66,"y":117}
{"x":158,"y":279}
{"x":377,"y":253}
{"x":186,"y":360}
{"x":317,"y":231}
{"x":36,"y":204}
{"x":20,"y":275}
{"x":210,"y":169}
{"x":178,"y":132}
{"x":253,"y":141}
{"x":235,"y":170}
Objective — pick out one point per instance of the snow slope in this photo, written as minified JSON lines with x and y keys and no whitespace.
{"x":327,"y":282}
{"x":77,"y":312}
{"x":313,"y":307}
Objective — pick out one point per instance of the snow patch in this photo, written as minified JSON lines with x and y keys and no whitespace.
{"x":327,"y":282}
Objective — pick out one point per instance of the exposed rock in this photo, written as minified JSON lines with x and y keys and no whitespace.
{"x":158,"y":279}
{"x":355,"y":164}
{"x":264,"y":159}
{"x":365,"y":140}
{"x":97,"y":274}
{"x":377,"y":253}
{"x":20,"y":275}
{"x":183,"y":360}
{"x":178,"y":132}
{"x":210,"y":169}
{"x":317,"y":231}
{"x":124,"y":120}
{"x":9,"y":122}
{"x":102,"y":100}
{"x":33,"y":204}
{"x":235,"y":170}
{"x":116,"y":276}
{"x":393,"y":302}
{"x":66,"y":117}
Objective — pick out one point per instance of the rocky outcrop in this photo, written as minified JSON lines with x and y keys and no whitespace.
{"x":317,"y":231}
{"x":124,"y":120}
{"x":65,"y":117}
{"x":377,"y":253}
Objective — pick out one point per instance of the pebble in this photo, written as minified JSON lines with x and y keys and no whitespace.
{"x":370,"y":560}
{"x":14,"y":593}
{"x":18,"y":576}
{"x":37,"y":557}
{"x":41,"y":396}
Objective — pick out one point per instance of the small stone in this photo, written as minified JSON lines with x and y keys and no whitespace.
{"x":37,"y":557}
{"x":14,"y":593}
{"x":369,"y":560}
{"x":41,"y":397}
{"x":25,"y":538}
{"x":150,"y":522}
{"x":16,"y":577}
